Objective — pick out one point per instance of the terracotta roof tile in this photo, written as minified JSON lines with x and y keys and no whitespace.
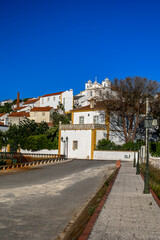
{"x":30,"y":101}
{"x":41,"y":109}
{"x":18,"y":108}
{"x":87,"y":108}
{"x":1,"y":114}
{"x":52,"y":94}
{"x":19,"y":114}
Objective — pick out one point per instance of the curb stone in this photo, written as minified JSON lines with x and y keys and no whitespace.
{"x":85,"y":234}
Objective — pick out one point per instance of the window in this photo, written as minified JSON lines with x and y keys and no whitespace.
{"x":43,"y":114}
{"x":54,"y":98}
{"x":42,"y":100}
{"x":75,"y":145}
{"x":81,"y":120}
{"x":35,"y":114}
{"x":59,"y":97}
{"x":91,"y":94}
{"x":48,"y":99}
{"x":95,"y":119}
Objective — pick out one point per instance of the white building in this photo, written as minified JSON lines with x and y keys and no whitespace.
{"x":4,"y":118}
{"x":92,"y":90}
{"x":89,"y":125}
{"x":6,"y":101}
{"x":3,"y":127}
{"x":29,"y":104}
{"x":59,"y":99}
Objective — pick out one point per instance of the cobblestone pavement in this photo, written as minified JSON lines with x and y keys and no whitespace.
{"x":128,"y":213}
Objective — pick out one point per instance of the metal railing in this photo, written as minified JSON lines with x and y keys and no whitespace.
{"x":22,"y":159}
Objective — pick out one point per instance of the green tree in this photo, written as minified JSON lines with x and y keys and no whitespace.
{"x":57,"y":117}
{"x":18,"y":134}
{"x":38,"y":142}
{"x":7,"y":108}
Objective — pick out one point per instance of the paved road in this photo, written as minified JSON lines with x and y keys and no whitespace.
{"x":37,"y":204}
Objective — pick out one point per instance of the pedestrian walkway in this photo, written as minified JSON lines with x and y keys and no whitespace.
{"x":128,"y":213}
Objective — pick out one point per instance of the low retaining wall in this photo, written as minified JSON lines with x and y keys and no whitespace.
{"x":114,"y":155}
{"x":44,"y":151}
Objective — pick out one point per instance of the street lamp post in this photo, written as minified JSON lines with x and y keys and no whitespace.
{"x":138,"y":138}
{"x":64,"y":141}
{"x":134,"y":161}
{"x":149,"y":123}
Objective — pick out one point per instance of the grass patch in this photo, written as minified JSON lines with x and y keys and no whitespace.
{"x":154,"y":180}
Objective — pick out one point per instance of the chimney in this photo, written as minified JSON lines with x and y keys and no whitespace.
{"x":17,"y":100}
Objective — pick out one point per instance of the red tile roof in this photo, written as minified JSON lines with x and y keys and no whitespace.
{"x":52,"y":94}
{"x":19,"y":114}
{"x":19,"y":108}
{"x":50,"y":124}
{"x":1,"y":123}
{"x":87,"y":108}
{"x":30,"y":101}
{"x":41,"y":109}
{"x":1,"y":114}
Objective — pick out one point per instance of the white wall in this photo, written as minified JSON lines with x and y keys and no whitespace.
{"x":67,"y":100}
{"x":88,"y":117}
{"x":84,"y":143}
{"x":114,"y":155}
{"x":51,"y":101}
{"x":3,"y":128}
{"x":101,"y":134}
{"x":44,"y":151}
{"x":117,"y":137}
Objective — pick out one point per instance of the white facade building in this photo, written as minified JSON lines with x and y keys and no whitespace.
{"x":59,"y":99}
{"x":6,"y":101}
{"x":89,"y":125}
{"x":4,"y":118}
{"x":31,"y":103}
{"x":92,"y":90}
{"x":3,"y":127}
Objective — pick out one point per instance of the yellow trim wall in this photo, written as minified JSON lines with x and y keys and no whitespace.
{"x":93,"y":142}
{"x":72,"y":117}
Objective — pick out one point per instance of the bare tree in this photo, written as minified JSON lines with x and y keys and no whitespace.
{"x":126,"y":103}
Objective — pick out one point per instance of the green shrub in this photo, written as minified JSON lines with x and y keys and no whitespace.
{"x":132,"y":146}
{"x":155,"y":149}
{"x":38,"y":142}
{"x":154,"y":181}
{"x":108,"y":145}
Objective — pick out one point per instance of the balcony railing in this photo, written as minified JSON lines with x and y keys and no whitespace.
{"x":82,"y":126}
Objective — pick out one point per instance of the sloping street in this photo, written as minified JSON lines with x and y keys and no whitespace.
{"x":39,"y":202}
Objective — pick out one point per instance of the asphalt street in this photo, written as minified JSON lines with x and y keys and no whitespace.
{"x":37,"y":204}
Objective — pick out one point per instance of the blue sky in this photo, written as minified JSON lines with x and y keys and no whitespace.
{"x":54,"y":45}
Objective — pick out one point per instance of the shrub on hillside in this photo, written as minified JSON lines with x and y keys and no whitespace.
{"x":38,"y":142}
{"x":155,"y":149}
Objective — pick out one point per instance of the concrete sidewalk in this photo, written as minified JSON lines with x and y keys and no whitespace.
{"x":128,"y":213}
